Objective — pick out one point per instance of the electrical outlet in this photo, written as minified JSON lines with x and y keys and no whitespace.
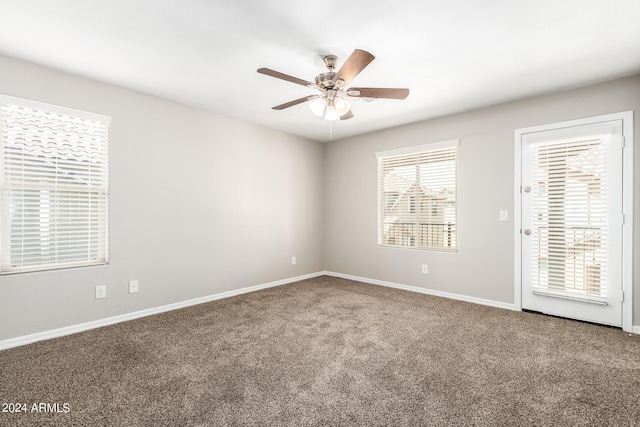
{"x":425,"y":269}
{"x":101,"y":291}
{"x":504,"y":215}
{"x":293,"y":260}
{"x":133,"y":286}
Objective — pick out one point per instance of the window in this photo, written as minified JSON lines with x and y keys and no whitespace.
{"x":417,"y":197}
{"x":54,"y":187}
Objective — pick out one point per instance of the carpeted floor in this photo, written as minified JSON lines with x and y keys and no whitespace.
{"x":329,"y":351}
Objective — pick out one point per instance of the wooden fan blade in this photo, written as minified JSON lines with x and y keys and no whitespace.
{"x":358,"y":60}
{"x":379,"y":92}
{"x":347,"y":115}
{"x":294,"y":102}
{"x":282,"y":76}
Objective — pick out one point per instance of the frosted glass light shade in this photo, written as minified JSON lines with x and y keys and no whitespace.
{"x":342,"y":106}
{"x":331,"y":113}
{"x":317,"y":106}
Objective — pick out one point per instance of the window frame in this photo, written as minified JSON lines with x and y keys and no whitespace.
{"x":66,"y":193}
{"x":408,"y":152}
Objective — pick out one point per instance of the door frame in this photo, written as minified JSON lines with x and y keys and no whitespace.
{"x":627,"y":206}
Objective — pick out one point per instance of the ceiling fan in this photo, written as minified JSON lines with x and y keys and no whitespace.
{"x":332,"y":102}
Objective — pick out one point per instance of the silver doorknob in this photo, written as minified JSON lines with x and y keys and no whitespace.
{"x":527,"y":231}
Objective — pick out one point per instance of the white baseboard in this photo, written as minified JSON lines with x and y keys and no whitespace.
{"x":635,"y":330}
{"x":68,"y":330}
{"x":458,"y":297}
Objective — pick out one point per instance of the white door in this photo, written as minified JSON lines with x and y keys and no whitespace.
{"x":571,"y":238}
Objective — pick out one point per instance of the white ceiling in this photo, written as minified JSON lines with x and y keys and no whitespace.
{"x":454,"y":55}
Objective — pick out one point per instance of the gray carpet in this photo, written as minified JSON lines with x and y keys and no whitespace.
{"x":329,"y":351}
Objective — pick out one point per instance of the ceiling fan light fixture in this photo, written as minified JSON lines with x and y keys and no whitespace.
{"x":317,"y":106}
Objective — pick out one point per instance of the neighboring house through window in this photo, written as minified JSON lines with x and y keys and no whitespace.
{"x":54,"y":187}
{"x":417,"y":196}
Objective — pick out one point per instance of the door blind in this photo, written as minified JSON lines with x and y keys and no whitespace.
{"x":570,"y":219}
{"x":54,"y":190}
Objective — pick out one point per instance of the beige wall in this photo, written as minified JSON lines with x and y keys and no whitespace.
{"x":483,"y":267}
{"x":199,"y":204}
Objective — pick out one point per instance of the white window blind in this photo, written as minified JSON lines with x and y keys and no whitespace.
{"x":54,"y":189}
{"x":570,"y":218}
{"x":417,"y":197}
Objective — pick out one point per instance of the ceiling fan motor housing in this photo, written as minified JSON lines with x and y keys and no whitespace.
{"x":325,"y":80}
